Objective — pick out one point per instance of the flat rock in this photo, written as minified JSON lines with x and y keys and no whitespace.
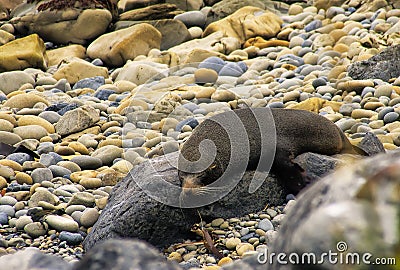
{"x":117,"y":47}
{"x":224,"y":8}
{"x":78,"y":69}
{"x":13,"y":80}
{"x":139,"y":72}
{"x":75,"y":26}
{"x":56,"y":56}
{"x":125,"y":5}
{"x":77,"y":120}
{"x":132,"y":213}
{"x":253,"y":22}
{"x":173,"y":32}
{"x":153,"y":12}
{"x":205,"y":45}
{"x":22,"y":53}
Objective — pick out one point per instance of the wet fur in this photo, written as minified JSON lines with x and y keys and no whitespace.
{"x":297,"y":132}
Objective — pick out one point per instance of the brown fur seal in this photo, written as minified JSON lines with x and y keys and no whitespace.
{"x":297,"y":132}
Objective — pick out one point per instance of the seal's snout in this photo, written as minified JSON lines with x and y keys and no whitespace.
{"x":191,"y":181}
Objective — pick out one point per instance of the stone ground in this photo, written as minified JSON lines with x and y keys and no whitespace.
{"x":85,"y":114}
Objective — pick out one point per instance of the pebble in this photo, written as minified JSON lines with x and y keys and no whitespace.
{"x":390,"y":117}
{"x":3,"y":218}
{"x":89,"y":217}
{"x":35,"y":229}
{"x":87,"y":162}
{"x":213,"y":62}
{"x":20,"y":157}
{"x":23,"y":178}
{"x":107,"y":154}
{"x":8,"y":209}
{"x":192,"y":18}
{"x":70,"y":238}
{"x":82,"y":198}
{"x":243,"y":248}
{"x":61,"y":223}
{"x":59,"y":171}
{"x":205,"y":75}
{"x":93,"y":83}
{"x":39,"y":175}
{"x":232,"y":243}
{"x":42,"y":195}
{"x":22,"y":221}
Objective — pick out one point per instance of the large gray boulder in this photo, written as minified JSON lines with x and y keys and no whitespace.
{"x":132,"y":213}
{"x":384,"y":66}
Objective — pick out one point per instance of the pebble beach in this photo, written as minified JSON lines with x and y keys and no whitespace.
{"x":81,"y":111}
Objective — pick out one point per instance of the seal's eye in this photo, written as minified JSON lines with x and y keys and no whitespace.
{"x":213,"y":166}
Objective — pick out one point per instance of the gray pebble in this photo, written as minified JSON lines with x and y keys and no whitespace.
{"x":244,"y":231}
{"x":89,"y":217}
{"x":8,"y":200}
{"x":71,"y":238}
{"x":45,"y":148}
{"x":8,"y":209}
{"x":76,"y":215}
{"x":346,"y":123}
{"x":50,"y":116}
{"x":21,"y":213}
{"x":384,"y":111}
{"x":22,"y":222}
{"x":41,"y":174}
{"x":35,"y":229}
{"x":390,"y":117}
{"x":192,"y":18}
{"x":3,"y":218}
{"x":87,"y":162}
{"x":265,"y":225}
{"x":82,"y":198}
{"x":47,"y":160}
{"x":59,"y":171}
{"x":72,"y":208}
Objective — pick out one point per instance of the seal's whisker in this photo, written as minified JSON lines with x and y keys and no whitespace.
{"x":212,"y":188}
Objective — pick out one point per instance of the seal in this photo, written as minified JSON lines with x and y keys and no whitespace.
{"x":297,"y":132}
